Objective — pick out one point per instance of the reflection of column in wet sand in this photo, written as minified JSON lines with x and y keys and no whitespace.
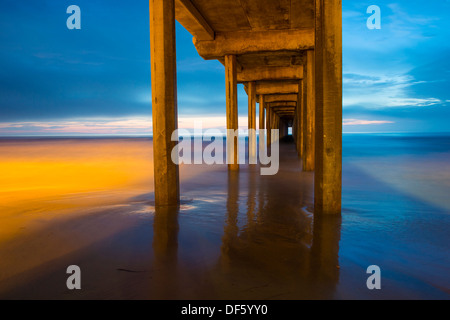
{"x":251,"y":199}
{"x":261,"y":200}
{"x":165,"y":248}
{"x":230,"y":236}
{"x":270,"y":252}
{"x":324,"y":266}
{"x":280,"y":214}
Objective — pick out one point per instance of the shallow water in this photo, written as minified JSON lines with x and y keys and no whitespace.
{"x":241,"y":235}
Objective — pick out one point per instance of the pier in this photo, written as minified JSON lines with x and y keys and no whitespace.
{"x":288,"y":56}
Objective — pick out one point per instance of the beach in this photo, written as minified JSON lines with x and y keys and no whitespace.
{"x":90,"y":202}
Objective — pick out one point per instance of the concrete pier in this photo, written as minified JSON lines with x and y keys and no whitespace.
{"x":288,"y":56}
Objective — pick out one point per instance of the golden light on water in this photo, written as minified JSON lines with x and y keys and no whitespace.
{"x":69,"y":166}
{"x":40,"y":174}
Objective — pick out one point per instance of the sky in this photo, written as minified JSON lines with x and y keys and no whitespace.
{"x":56,"y":81}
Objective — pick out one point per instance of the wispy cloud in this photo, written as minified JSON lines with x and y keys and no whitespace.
{"x":131,"y":126}
{"x":93,"y":126}
{"x":383,"y":91}
{"x":356,"y":122}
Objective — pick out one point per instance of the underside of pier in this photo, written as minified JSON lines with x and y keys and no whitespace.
{"x":288,"y":56}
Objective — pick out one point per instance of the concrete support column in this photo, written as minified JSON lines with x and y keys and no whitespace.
{"x":280,"y":128}
{"x":232,"y":111}
{"x":308,"y":156}
{"x":294,"y":129}
{"x":299,"y":114}
{"x":272,"y":120}
{"x":252,"y":122}
{"x":261,"y":112}
{"x":328,"y":116}
{"x":281,"y":125}
{"x":284,"y":128}
{"x":164,"y":100}
{"x":268,"y":124}
{"x":304,"y":116}
{"x":275,"y":123}
{"x":262,"y":140}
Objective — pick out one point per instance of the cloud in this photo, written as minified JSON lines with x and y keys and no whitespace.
{"x":130,"y":126}
{"x":413,"y":102}
{"x":92,"y":126}
{"x":383,"y":91}
{"x":401,"y":71}
{"x":113,"y":126}
{"x":356,"y":122}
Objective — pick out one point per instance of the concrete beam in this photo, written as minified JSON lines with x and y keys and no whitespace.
{"x":188,"y":15}
{"x":243,"y":42}
{"x":273,"y":59}
{"x":281,"y":98}
{"x":282,"y":104}
{"x":284,"y":110}
{"x":286,"y":113}
{"x":270,"y":73}
{"x":280,"y":111}
{"x":285,"y":105}
{"x":277,"y":87}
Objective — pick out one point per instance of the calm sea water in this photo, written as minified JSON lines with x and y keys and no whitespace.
{"x":235,"y":236}
{"x":396,"y":211}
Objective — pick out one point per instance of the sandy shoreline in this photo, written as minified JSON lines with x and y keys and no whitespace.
{"x":235,"y":236}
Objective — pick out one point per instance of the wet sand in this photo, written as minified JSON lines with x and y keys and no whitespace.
{"x":235,"y":236}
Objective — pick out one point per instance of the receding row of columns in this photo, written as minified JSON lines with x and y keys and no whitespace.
{"x":317,"y":115}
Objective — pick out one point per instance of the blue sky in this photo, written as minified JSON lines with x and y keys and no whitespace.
{"x":97,"y":79}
